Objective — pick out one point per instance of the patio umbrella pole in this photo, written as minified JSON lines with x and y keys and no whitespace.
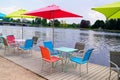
{"x":52,"y":16}
{"x":53,"y":31}
{"x":22,"y":32}
{"x":22,"y":27}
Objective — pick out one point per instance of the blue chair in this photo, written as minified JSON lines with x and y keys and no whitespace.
{"x":83,"y":60}
{"x":49,"y":45}
{"x":27,"y":45}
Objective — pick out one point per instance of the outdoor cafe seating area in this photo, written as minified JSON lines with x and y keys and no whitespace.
{"x":62,"y":63}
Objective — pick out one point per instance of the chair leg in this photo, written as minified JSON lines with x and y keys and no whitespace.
{"x":74,"y":66}
{"x":52,"y":68}
{"x":80,"y":70}
{"x":29,"y":51}
{"x":118,"y":75}
{"x":62,"y":64}
{"x":5,"y":50}
{"x":110,"y":74}
{"x":42,"y":65}
{"x":87,"y":67}
{"x":14,"y":49}
{"x":52,"y":65}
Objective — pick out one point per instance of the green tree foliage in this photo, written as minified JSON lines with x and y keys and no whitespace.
{"x":38,"y":20}
{"x":56,"y":23}
{"x":50,"y":23}
{"x":44,"y":22}
{"x":112,"y":24}
{"x":18,"y":20}
{"x":6,"y":20}
{"x":69,"y":26}
{"x":118,"y":24}
{"x":98,"y":24}
{"x":63,"y":24}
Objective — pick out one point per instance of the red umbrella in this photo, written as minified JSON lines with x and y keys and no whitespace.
{"x":52,"y":12}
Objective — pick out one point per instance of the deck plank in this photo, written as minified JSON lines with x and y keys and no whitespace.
{"x":33,"y":62}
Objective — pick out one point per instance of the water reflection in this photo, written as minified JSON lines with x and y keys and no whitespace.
{"x":102,"y":42}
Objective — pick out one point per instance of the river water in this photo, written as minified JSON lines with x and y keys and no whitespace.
{"x":102,"y":42}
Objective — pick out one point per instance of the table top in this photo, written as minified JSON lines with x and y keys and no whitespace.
{"x":19,"y":40}
{"x":65,"y":49}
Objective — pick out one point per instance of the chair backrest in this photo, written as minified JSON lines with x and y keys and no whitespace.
{"x":45,"y":53}
{"x":10,"y":39}
{"x":28,"y":43}
{"x":35,"y":39}
{"x":79,"y":46}
{"x":87,"y":54}
{"x":5,"y":41}
{"x":1,"y":40}
{"x":115,"y":58}
{"x":49,"y":45}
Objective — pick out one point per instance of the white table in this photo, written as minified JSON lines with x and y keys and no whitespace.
{"x":20,"y":41}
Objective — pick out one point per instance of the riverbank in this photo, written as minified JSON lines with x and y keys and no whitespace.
{"x":100,"y":30}
{"x":11,"y":71}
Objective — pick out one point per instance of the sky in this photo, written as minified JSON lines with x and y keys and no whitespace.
{"x":80,"y":7}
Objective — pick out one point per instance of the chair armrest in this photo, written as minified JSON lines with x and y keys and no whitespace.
{"x":81,"y":51}
{"x":114,"y":65}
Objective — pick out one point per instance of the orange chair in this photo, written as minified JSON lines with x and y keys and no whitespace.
{"x":47,"y":57}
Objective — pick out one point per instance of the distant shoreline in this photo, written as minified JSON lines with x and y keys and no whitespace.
{"x":100,"y":30}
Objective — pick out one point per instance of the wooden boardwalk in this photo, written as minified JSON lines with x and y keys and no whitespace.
{"x":33,"y":62}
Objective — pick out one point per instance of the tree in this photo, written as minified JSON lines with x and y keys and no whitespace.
{"x":18,"y":20}
{"x":118,"y":24}
{"x":111,"y":24}
{"x":98,"y":24}
{"x":38,"y":20}
{"x":56,"y":23}
{"x":6,"y":19}
{"x":44,"y":22}
{"x":63,"y":24}
{"x":85,"y":24}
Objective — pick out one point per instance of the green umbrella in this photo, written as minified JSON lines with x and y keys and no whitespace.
{"x":19,"y":14}
{"x":111,"y":11}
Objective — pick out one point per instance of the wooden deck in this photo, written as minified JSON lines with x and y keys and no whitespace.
{"x":33,"y":62}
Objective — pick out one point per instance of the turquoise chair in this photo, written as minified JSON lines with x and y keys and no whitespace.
{"x":28,"y":45}
{"x":83,"y":60}
{"x":49,"y":45}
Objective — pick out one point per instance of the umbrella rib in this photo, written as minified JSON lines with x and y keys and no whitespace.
{"x":113,"y":13}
